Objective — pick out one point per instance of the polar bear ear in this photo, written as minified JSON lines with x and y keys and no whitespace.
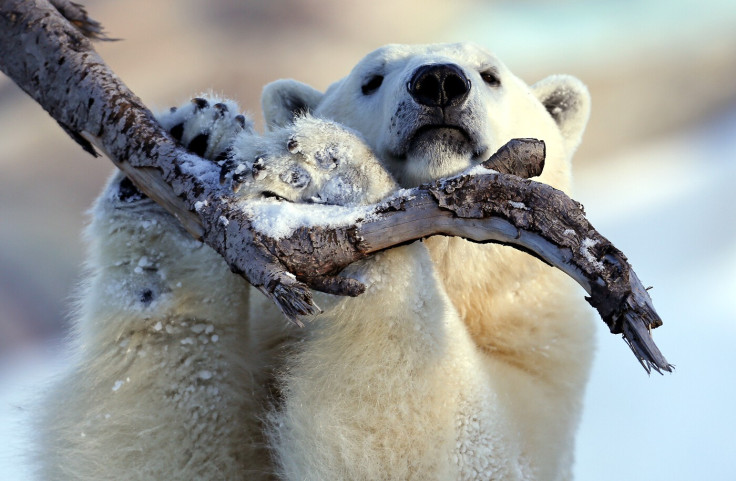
{"x":284,"y":99}
{"x":568,"y":102}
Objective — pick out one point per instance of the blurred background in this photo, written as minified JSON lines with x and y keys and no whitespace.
{"x":656,"y":172}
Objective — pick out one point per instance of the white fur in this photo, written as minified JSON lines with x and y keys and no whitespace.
{"x":460,"y":361}
{"x":154,"y":383}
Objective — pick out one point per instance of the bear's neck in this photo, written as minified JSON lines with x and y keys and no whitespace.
{"x":516,"y":308}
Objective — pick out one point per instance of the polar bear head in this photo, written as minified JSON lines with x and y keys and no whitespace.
{"x":429,"y":111}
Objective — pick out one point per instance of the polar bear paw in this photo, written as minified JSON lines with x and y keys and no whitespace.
{"x":206,"y":126}
{"x":312,"y":161}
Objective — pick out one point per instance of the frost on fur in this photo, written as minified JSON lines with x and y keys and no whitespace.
{"x":460,"y":361}
{"x":312,"y":160}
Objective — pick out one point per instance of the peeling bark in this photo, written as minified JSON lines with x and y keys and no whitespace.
{"x":44,"y":48}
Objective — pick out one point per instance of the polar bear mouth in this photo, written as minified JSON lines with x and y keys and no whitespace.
{"x":448,"y":137}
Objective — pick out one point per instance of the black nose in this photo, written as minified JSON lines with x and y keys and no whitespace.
{"x":440,"y":85}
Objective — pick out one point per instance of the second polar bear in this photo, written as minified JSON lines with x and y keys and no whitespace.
{"x":460,"y":361}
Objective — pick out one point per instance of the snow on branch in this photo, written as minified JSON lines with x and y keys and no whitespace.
{"x":44,"y":48}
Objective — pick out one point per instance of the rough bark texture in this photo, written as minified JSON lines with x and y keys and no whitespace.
{"x":49,"y":57}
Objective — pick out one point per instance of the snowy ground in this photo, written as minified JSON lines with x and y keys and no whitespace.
{"x":669,"y":206}
{"x":20,"y":383}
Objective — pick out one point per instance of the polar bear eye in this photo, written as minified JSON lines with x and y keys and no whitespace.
{"x":490,"y":77}
{"x":372,"y":84}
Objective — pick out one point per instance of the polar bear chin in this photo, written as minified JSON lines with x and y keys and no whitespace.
{"x":432,"y":154}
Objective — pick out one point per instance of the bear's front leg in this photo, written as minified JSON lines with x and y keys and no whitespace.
{"x":165,"y":383}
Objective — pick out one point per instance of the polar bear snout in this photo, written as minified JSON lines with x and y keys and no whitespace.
{"x":436,"y":127}
{"x":439,"y":85}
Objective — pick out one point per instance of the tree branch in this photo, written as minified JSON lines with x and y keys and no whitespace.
{"x":44,"y":49}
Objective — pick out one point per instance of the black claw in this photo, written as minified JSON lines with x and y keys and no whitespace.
{"x":258,"y":166}
{"x":227,"y":166}
{"x":238,"y":178}
{"x":221,"y":109}
{"x":200,"y":103}
{"x":198,"y":145}
{"x":239,"y":174}
{"x":177,"y":131}
{"x":240,"y":119}
{"x":292,"y":145}
{"x":223,"y":155}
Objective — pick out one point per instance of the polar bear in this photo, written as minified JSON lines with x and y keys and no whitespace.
{"x":460,"y":361}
